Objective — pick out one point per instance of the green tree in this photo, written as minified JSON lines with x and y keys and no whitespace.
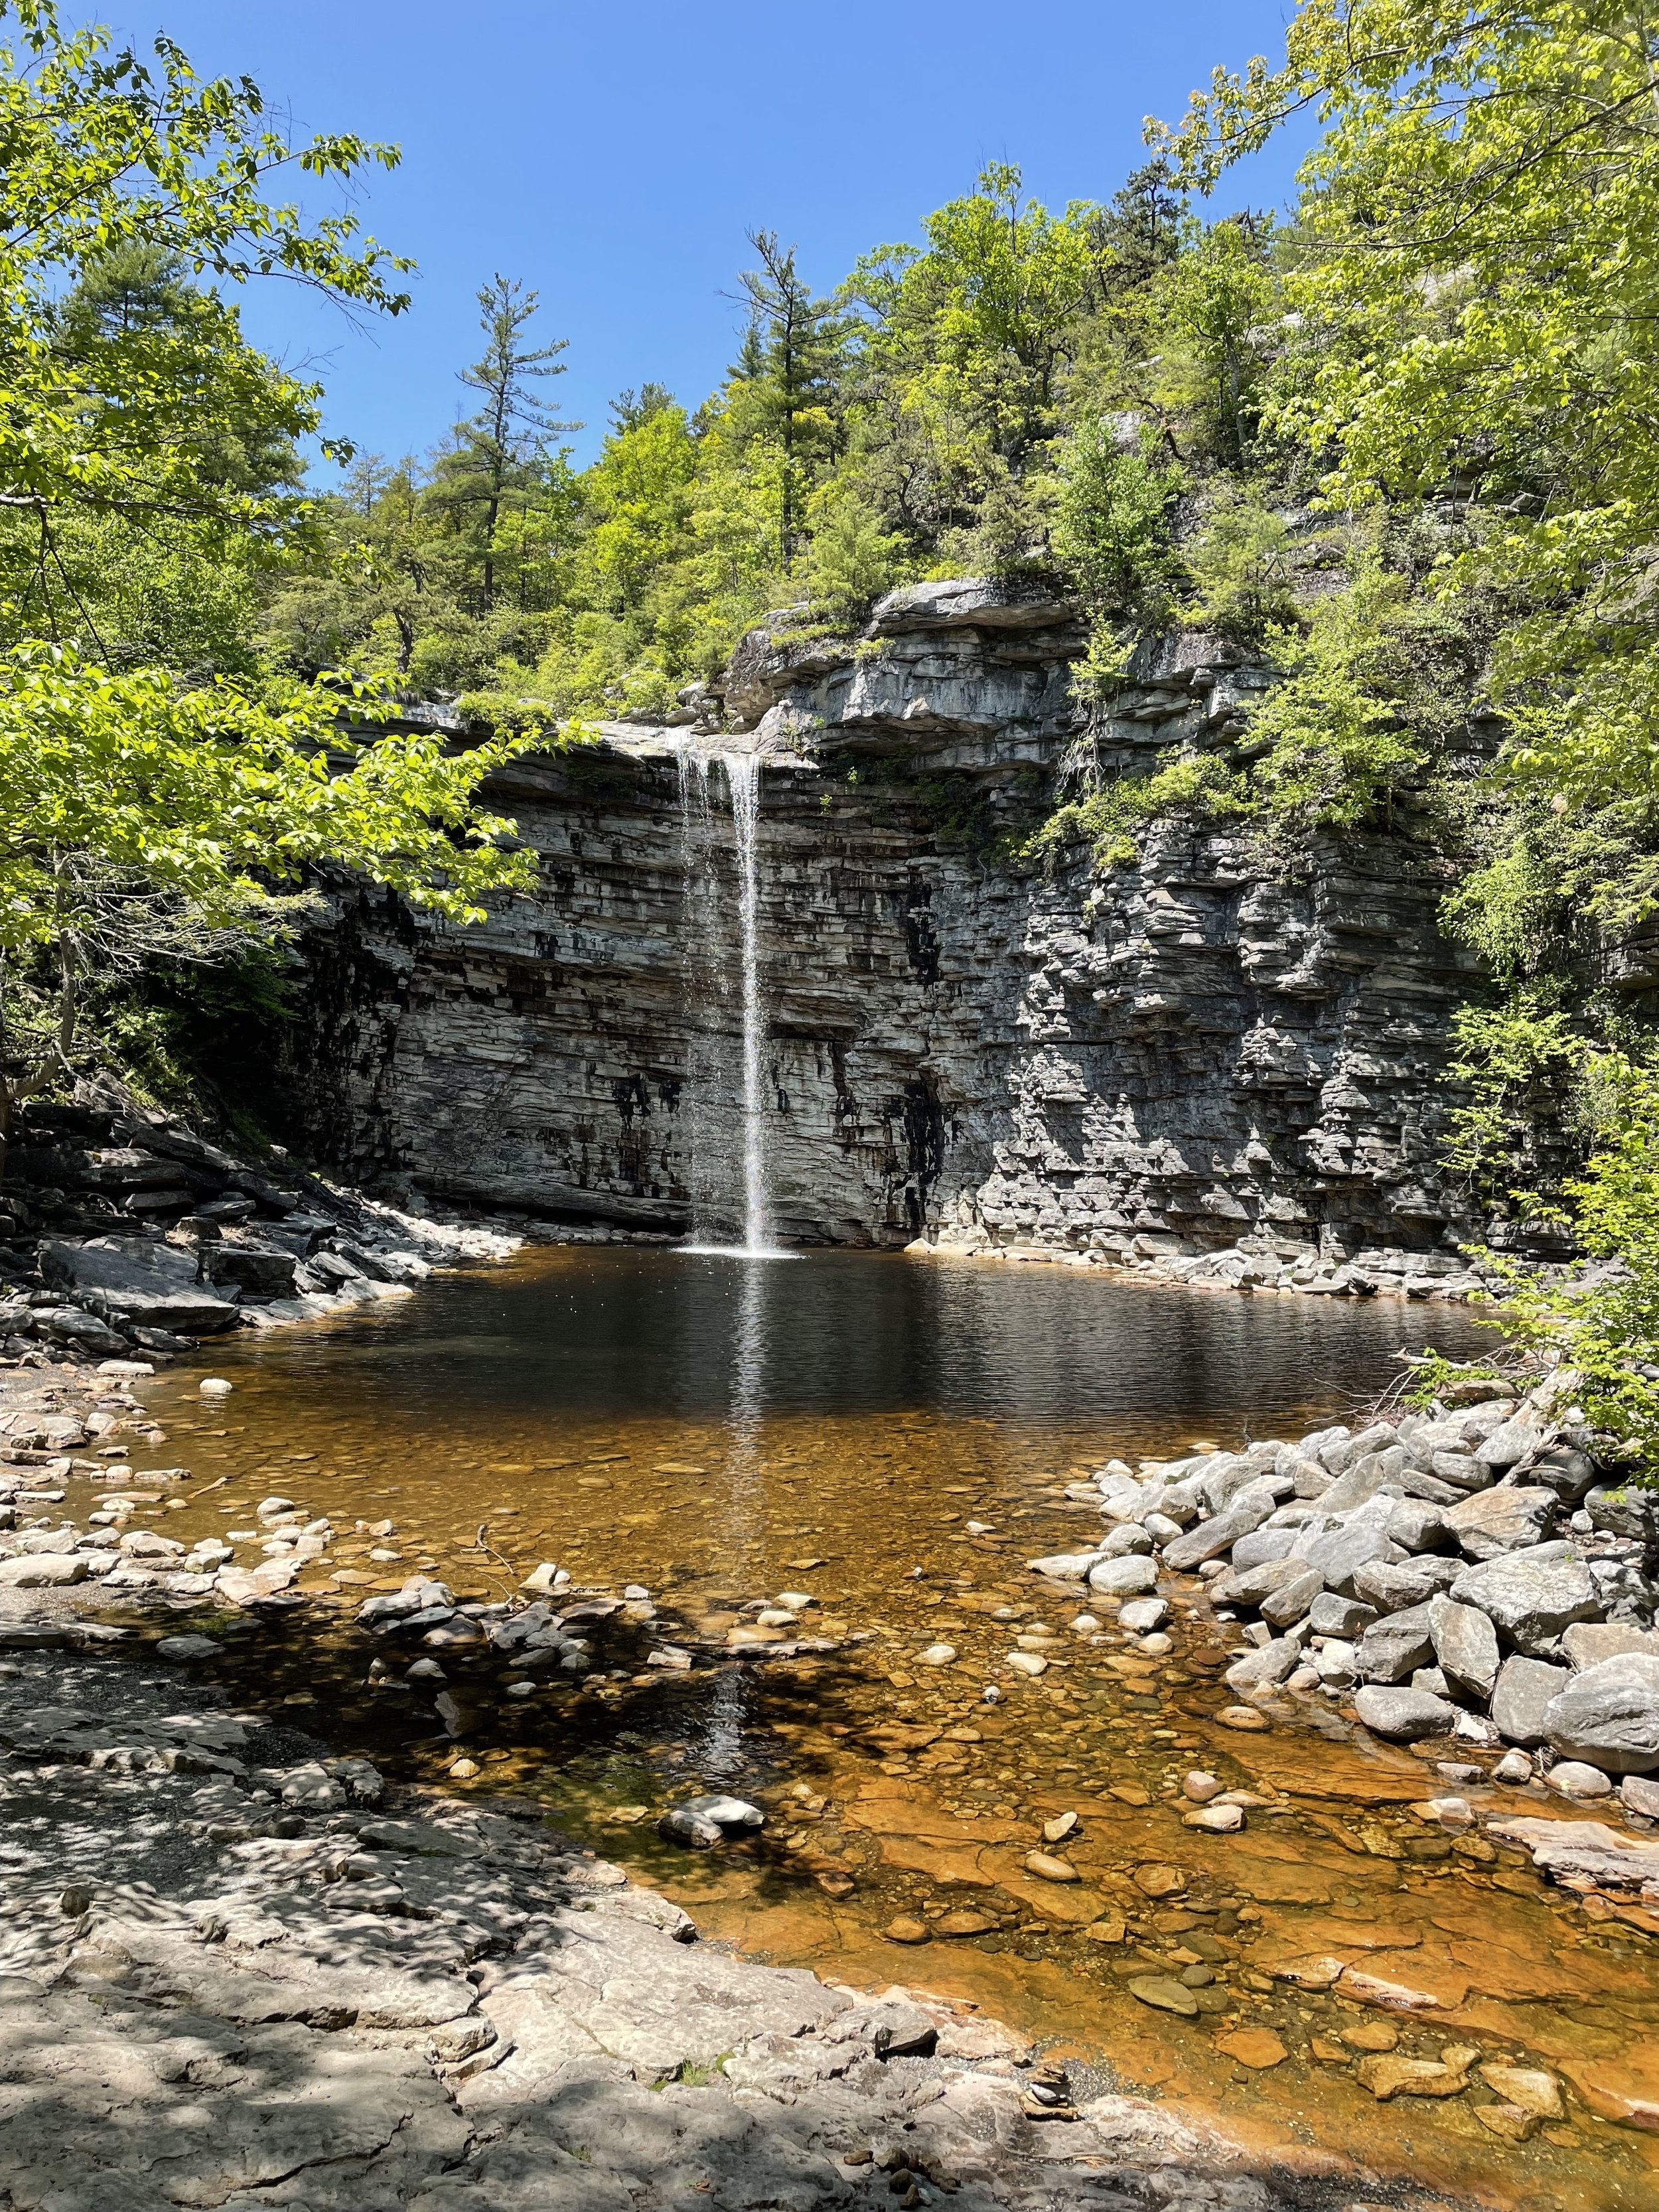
{"x":497,"y":462}
{"x":105,"y":157}
{"x":139,"y":819}
{"x":1476,"y":285}
{"x":787,"y":373}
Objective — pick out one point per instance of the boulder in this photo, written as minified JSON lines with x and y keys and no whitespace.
{"x":1531,"y":1597}
{"x":1337,"y":1555}
{"x":1266,"y":1666}
{"x":1262,"y":1545}
{"x":258,"y":1271}
{"x":1509,"y":1442}
{"x":1331,"y":1615}
{"x":1392,"y":1586}
{"x":1569,"y":1473}
{"x":1522,"y":1695}
{"x":1125,"y":1577}
{"x":1623,"y":1512}
{"x":1391,"y":1650}
{"x":1418,"y":1526}
{"x":46,"y":1570}
{"x":1293,"y":1597}
{"x":1587,"y":1641}
{"x":146,"y":1284}
{"x":1250,"y":1585}
{"x":1210,"y":1539}
{"x":1362,"y":1479}
{"x":1059,"y":1566}
{"x":1403,"y":1715}
{"x":1466,"y":1646}
{"x":1509,"y":1518}
{"x":1462,"y":1471}
{"x":1608,"y":1715}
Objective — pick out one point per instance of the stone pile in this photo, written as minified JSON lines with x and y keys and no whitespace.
{"x":1469,"y":1572}
{"x":123,"y":1231}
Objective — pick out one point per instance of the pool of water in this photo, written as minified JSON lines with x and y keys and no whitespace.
{"x":893,"y":1440}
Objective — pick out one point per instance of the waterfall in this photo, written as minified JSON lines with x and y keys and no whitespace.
{"x":743,"y":781}
{"x":703,"y":897}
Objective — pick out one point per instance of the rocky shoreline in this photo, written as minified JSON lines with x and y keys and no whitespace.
{"x":122,"y":1232}
{"x":1467,"y":1572}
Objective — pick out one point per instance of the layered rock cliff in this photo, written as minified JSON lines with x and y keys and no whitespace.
{"x":1186,"y":1054}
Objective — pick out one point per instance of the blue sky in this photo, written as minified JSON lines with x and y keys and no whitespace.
{"x":612,"y":156}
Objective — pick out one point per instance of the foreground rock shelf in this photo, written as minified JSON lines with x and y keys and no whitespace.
{"x":233,"y":1971}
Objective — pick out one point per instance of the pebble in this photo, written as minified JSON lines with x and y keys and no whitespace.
{"x":1243,"y":1717}
{"x":214,"y":1386}
{"x":1156,"y":1879}
{"x":939,"y":1654}
{"x":1163,"y":1994}
{"x":464,"y":1770}
{"x":1057,"y":1830}
{"x":1049,"y":1868}
{"x":1257,"y":2047}
{"x":1572,"y":1778}
{"x":1201,"y":1787}
{"x":907,"y":1929}
{"x":1026,"y":1663}
{"x":1215,"y":1819}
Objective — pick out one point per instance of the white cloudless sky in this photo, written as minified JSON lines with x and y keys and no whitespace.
{"x":612,"y":156}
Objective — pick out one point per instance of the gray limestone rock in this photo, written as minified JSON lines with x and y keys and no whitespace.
{"x":1337,"y":1555}
{"x":1392,"y":1650}
{"x":1531,"y":1597}
{"x":1334,"y":1615}
{"x":1504,"y":1519}
{"x":1291,"y":1600}
{"x":1403,"y":1715}
{"x":1586,"y":1641}
{"x":1466,"y":1646}
{"x":1521,"y":1694}
{"x":1608,"y":1715}
{"x":1392,"y":1586}
{"x":1210,"y":1539}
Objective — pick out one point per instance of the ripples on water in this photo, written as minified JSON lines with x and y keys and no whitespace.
{"x":721,"y":1430}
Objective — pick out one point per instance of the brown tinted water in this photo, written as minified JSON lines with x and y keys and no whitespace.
{"x":722,"y":1431}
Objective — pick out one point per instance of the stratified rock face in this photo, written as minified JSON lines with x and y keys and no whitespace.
{"x":986,"y":1051}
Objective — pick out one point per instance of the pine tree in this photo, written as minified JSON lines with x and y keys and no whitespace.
{"x":499,"y":453}
{"x":791,"y":356}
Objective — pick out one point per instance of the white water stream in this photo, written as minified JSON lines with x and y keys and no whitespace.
{"x":704,"y":896}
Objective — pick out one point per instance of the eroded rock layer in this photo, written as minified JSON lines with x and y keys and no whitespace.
{"x":1188,"y":1053}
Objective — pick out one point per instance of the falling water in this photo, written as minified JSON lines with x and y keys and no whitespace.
{"x":703,"y":897}
{"x":742,"y":780}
